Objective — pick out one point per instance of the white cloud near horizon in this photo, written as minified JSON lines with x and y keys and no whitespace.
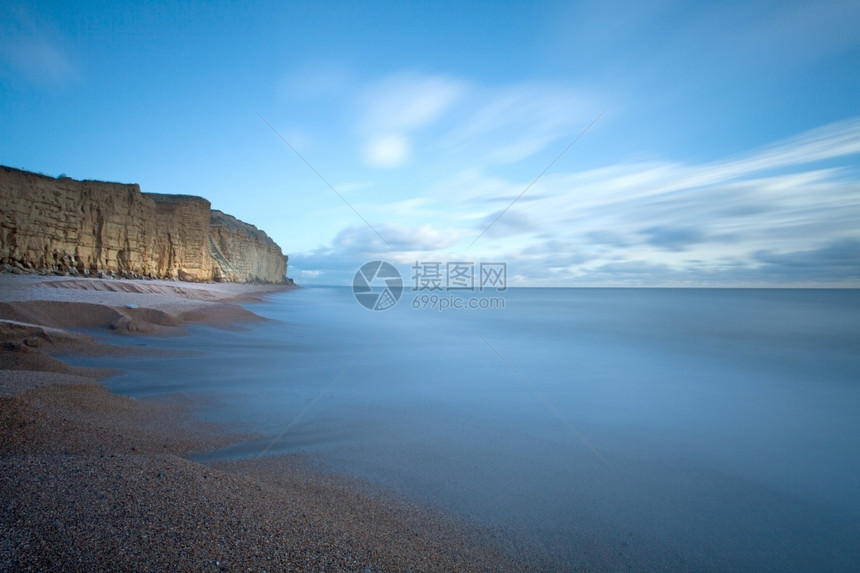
{"x":735,"y":221}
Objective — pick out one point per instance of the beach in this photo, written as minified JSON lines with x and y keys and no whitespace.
{"x":99,"y":482}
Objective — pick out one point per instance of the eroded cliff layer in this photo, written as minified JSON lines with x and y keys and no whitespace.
{"x":64,"y":225}
{"x":243,"y":250}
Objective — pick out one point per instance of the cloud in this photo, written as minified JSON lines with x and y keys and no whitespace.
{"x":714,"y":194}
{"x":522,"y":120}
{"x":606,"y":237}
{"x":387,"y":151}
{"x":398,"y":106}
{"x":674,"y":239}
{"x":505,"y":224}
{"x":642,"y":270}
{"x":552,"y":254}
{"x":408,"y":101}
{"x":26,"y":47}
{"x":325,"y":266}
{"x":319,"y":80}
{"x":838,"y":259}
{"x":833,"y":140}
{"x":355,"y":245}
{"x":675,"y":223}
{"x":739,"y":220}
{"x":398,"y":238}
{"x":506,"y":124}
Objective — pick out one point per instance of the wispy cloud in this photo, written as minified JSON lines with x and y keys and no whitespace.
{"x":522,"y":120}
{"x":35,"y":52}
{"x":408,"y":101}
{"x":836,"y":260}
{"x":751,"y":218}
{"x":789,"y":34}
{"x":395,"y":107}
{"x":674,"y":238}
{"x":387,"y":150}
{"x":314,"y":81}
{"x":401,"y":238}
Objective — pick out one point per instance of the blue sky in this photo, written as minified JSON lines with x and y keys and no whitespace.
{"x":725,"y":151}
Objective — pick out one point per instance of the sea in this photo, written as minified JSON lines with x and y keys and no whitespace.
{"x":594,"y":429}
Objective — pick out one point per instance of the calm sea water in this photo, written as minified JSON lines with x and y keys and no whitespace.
{"x":652,"y":428}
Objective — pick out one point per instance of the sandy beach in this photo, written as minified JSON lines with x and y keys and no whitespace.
{"x":92,"y":481}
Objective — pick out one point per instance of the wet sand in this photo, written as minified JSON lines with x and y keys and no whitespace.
{"x":92,"y":481}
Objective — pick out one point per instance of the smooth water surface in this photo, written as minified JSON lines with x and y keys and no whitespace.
{"x":652,"y":428}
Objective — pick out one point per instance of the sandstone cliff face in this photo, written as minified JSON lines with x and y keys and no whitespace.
{"x":62,"y":225}
{"x":243,"y":250}
{"x":182,"y":226}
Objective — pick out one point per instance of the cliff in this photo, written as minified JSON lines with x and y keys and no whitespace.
{"x":243,"y":250}
{"x":89,"y":227}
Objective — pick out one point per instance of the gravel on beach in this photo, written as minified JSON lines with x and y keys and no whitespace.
{"x":92,"y":481}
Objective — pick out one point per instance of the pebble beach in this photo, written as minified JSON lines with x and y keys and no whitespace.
{"x":93,"y":481}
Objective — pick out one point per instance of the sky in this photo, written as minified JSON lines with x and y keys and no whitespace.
{"x":607,"y":143}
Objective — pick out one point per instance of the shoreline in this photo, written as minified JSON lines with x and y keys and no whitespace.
{"x":96,"y":481}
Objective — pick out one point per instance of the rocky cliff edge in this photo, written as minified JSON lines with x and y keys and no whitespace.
{"x":91,"y":227}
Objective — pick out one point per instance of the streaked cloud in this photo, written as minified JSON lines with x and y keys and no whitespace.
{"x":521,"y":120}
{"x":836,"y":260}
{"x":399,"y":237}
{"x":408,"y":101}
{"x":29,"y":51}
{"x":674,"y":238}
{"x":773,"y":214}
